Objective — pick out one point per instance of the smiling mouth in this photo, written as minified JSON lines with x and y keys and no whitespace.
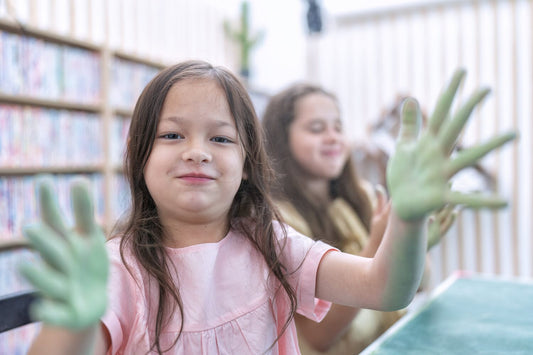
{"x":200,"y":176}
{"x":331,"y":153}
{"x":196,"y":178}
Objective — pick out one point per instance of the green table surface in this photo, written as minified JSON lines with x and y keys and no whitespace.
{"x":466,"y":314}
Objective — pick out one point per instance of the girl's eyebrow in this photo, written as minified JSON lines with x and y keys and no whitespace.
{"x":221,"y":123}
{"x":217,"y":123}
{"x":176,"y":119}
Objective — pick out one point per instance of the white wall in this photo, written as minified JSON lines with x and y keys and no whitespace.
{"x":280,"y":59}
{"x":368,"y":60}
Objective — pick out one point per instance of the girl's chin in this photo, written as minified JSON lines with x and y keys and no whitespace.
{"x":329,"y":175}
{"x":334,"y":172}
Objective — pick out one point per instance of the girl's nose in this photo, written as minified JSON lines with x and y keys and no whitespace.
{"x":197,"y":154}
{"x":333,"y":135}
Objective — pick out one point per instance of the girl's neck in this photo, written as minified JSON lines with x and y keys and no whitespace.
{"x":319,"y":188}
{"x":181,"y":235}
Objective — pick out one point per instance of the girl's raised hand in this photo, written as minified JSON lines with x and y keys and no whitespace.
{"x":72,"y":279}
{"x":380,"y":215}
{"x":419,"y":171}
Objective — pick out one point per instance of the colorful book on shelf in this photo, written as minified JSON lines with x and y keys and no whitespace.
{"x":40,"y":69}
{"x":40,"y":137}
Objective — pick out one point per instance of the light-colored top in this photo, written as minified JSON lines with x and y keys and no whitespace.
{"x":229,"y":298}
{"x":368,"y":324}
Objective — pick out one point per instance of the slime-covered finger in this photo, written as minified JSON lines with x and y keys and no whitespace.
{"x":445,"y":101}
{"x":470,"y":156}
{"x":45,"y":280}
{"x":49,"y":207}
{"x":52,"y":247}
{"x":83,"y":207}
{"x":476,"y":200}
{"x":411,"y":121}
{"x":451,"y":129}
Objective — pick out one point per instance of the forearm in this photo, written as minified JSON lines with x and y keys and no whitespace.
{"x":322,"y":336}
{"x":399,"y":261}
{"x":57,"y":341}
{"x":386,"y":282}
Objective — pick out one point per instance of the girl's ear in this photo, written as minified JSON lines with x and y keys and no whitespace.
{"x":244,"y":175}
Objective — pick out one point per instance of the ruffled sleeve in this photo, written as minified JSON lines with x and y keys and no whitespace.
{"x":302,"y":256}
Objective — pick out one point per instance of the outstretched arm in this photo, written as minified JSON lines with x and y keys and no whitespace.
{"x":322,"y":336}
{"x":72,"y":277}
{"x":417,"y":176}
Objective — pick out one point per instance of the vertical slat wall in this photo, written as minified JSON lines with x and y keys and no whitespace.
{"x":369,"y":59}
{"x":164,"y":31}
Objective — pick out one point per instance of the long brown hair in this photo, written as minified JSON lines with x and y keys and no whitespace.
{"x":279,"y":115}
{"x":142,"y":231}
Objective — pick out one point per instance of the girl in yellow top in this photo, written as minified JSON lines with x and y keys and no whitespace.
{"x":320,"y":195}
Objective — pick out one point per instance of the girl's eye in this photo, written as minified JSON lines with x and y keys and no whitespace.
{"x":221,"y":140}
{"x":316,"y":128}
{"x":171,"y":136}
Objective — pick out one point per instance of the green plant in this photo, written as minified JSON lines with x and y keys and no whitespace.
{"x":244,"y":38}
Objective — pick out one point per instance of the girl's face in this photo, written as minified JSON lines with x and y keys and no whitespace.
{"x":316,"y":139}
{"x":196,"y":164}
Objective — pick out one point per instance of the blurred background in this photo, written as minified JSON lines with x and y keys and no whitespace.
{"x":71,"y":70}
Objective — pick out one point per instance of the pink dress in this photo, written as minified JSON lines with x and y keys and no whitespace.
{"x":230,"y":303}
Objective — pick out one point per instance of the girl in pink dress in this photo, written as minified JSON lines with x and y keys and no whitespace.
{"x":201,"y":264}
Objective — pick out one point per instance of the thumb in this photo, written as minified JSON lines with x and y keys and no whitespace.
{"x":411,"y":120}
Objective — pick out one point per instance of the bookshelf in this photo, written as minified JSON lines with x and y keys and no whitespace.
{"x":124,"y":40}
{"x":65,"y":107}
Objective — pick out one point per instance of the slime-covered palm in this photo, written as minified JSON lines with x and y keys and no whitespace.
{"x":419,"y":171}
{"x":72,"y":279}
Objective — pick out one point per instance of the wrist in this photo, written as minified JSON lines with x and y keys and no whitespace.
{"x":410,"y":223}
{"x":408,"y":214}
